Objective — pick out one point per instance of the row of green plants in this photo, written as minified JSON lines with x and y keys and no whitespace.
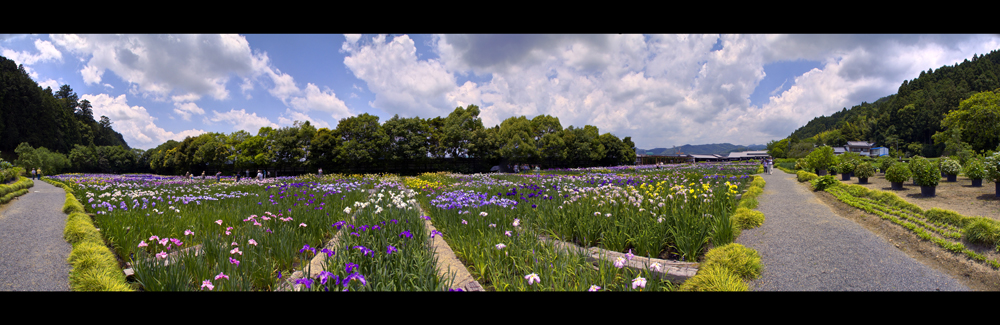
{"x":947,"y":229}
{"x":10,"y":191}
{"x":93,"y":267}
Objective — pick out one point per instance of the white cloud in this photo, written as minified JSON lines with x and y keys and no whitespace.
{"x":46,"y":52}
{"x":135,"y":124}
{"x":50,"y":84}
{"x":186,"y":109}
{"x":241,"y":120}
{"x":160,"y":64}
{"x":402,"y":84}
{"x":320,"y":100}
{"x":293,"y":116}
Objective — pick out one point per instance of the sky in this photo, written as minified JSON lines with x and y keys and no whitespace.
{"x":660,"y":90}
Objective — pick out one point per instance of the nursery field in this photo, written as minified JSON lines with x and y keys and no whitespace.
{"x":959,"y":196}
{"x":368,"y":230}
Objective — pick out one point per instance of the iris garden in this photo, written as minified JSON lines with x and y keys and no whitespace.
{"x":202,"y":235}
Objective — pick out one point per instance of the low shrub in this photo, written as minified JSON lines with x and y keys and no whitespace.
{"x":746,"y":218}
{"x":846,"y":167}
{"x":80,"y":227}
{"x":715,"y":278}
{"x":72,"y":205}
{"x":824,"y":182}
{"x":864,"y":170}
{"x":975,"y":169}
{"x":950,"y":167}
{"x":946,"y":216}
{"x":743,"y":261}
{"x":897,"y":173}
{"x":982,"y":231}
{"x":804,"y":176}
{"x":925,"y":173}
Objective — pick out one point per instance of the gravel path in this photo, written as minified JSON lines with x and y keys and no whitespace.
{"x":32,"y":250}
{"x":805,"y":246}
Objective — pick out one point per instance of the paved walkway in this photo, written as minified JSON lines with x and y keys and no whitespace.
{"x":805,"y":246}
{"x":32,"y":249}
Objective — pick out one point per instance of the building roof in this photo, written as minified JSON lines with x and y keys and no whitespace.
{"x":860,"y":143}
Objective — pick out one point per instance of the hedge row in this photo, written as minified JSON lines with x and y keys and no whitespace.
{"x":9,"y":192}
{"x":94,"y":266}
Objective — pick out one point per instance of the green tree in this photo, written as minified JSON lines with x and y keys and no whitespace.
{"x":978,"y":119}
{"x":518,"y":144}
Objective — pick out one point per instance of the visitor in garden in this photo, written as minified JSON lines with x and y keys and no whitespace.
{"x":218,"y":177}
{"x":321,"y":172}
{"x":33,"y":173}
{"x":203,"y":175}
{"x":260,"y":175}
{"x":39,"y":173}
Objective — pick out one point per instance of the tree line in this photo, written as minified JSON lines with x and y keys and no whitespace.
{"x":459,"y":142}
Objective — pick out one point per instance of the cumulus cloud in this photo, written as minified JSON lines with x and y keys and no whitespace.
{"x":135,"y":124}
{"x":240,"y":120}
{"x":185,"y":110}
{"x":402,"y":84}
{"x":675,"y":89}
{"x":290,"y":117}
{"x":46,"y":52}
{"x":160,"y":64}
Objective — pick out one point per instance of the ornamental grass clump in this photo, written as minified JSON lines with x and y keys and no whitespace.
{"x":743,"y":261}
{"x":745,"y":218}
{"x":982,"y":231}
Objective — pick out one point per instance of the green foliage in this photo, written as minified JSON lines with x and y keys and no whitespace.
{"x":898,"y":173}
{"x":992,"y":164}
{"x":821,"y":158}
{"x":743,"y":261}
{"x":950,"y":166}
{"x":804,"y":176}
{"x":975,"y":169}
{"x":746,"y":218}
{"x":925,"y":173}
{"x":80,"y":227}
{"x":946,"y":216}
{"x":885,"y":162}
{"x":982,"y":231}
{"x":864,"y":170}
{"x":823,"y":182}
{"x":977,"y":120}
{"x":845,"y":167}
{"x":715,"y":278}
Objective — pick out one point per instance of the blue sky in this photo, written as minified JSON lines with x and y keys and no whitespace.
{"x":662,"y":90}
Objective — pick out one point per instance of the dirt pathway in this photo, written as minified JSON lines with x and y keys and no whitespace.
{"x":32,"y":249}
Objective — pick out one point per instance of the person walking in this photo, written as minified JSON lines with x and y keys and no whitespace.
{"x":218,"y":176}
{"x":33,"y":173}
{"x":39,"y":173}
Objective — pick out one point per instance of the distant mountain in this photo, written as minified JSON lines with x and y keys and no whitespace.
{"x":702,"y":149}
